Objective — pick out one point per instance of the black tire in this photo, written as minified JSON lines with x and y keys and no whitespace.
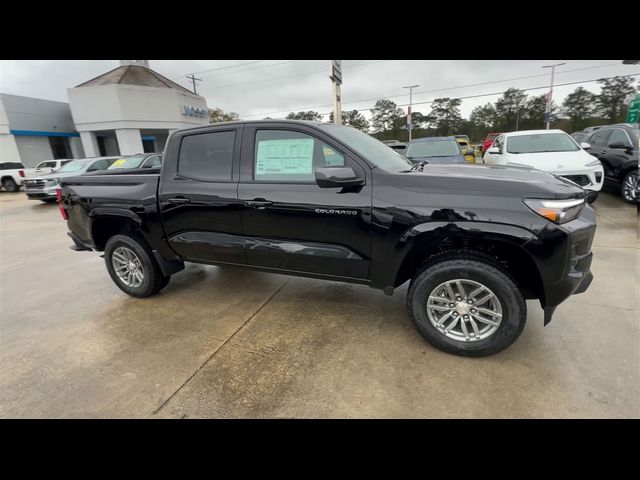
{"x":592,"y":197}
{"x":153,"y":280}
{"x":10,"y":184}
{"x":514,"y":308}
{"x":630,"y":195}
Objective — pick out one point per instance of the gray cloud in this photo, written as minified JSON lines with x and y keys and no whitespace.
{"x":256,"y":88}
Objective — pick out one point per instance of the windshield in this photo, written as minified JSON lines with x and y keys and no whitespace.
{"x":129,"y":162}
{"x":440,"y":148}
{"x":541,"y":142}
{"x":373,"y":150}
{"x":74,"y":166}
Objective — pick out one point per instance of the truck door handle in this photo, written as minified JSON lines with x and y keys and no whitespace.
{"x":258,"y":204}
{"x":603,"y":152}
{"x":179,"y":200}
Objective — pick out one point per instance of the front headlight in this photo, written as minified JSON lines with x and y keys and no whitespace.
{"x":52,"y":182}
{"x":557,"y":211}
{"x":595,"y":163}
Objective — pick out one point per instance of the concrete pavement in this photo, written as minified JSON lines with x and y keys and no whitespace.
{"x":231,"y":343}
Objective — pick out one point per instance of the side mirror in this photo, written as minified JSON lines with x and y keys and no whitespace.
{"x":494,"y":151}
{"x":585,"y":145}
{"x":620,"y":145}
{"x":330,"y":177}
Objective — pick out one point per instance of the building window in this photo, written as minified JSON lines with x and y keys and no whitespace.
{"x":60,"y":147}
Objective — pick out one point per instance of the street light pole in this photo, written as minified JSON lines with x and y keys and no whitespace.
{"x":411,"y":87}
{"x":548,"y":109}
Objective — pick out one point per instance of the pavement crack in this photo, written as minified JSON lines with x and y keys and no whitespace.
{"x":220,"y":348}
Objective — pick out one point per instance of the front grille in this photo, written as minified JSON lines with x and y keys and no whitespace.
{"x":581,"y":180}
{"x":34,"y":184}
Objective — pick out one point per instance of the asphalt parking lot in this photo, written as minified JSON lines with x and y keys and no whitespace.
{"x":230,"y":343}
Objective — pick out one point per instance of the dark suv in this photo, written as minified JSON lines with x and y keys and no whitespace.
{"x":616,"y":146}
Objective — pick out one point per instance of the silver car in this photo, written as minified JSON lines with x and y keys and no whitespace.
{"x":44,"y":187}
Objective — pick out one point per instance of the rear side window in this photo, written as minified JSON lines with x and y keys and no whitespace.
{"x":600,"y":137}
{"x":207,"y":156}
{"x":46,"y":165}
{"x":288,"y":156}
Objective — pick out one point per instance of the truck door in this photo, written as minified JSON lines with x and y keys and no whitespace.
{"x":599,"y":148}
{"x":292,"y":224}
{"x":198,"y":196}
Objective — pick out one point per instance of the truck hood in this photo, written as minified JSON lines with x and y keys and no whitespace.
{"x":556,"y":162}
{"x":50,"y":176}
{"x":494,"y":180}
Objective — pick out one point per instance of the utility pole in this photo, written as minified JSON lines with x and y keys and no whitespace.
{"x":409,"y":125}
{"x":193,"y":79}
{"x":547,"y":113}
{"x":517,"y":115}
{"x":335,"y":74}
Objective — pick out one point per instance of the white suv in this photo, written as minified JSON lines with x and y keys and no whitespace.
{"x":552,"y":151}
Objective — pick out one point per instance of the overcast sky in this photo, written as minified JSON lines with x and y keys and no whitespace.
{"x":259,"y":88}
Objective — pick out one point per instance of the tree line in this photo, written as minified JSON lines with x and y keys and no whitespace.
{"x":514,"y":110}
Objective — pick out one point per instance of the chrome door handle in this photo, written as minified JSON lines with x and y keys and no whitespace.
{"x":258,"y":204}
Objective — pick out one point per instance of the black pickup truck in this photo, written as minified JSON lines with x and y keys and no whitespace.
{"x":328,"y":201}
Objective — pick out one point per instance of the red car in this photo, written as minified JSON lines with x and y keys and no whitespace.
{"x":489,"y":141}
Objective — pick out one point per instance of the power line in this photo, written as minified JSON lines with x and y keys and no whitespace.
{"x":221,"y":68}
{"x":429,"y":91}
{"x":500,"y":93}
{"x":290,"y":76}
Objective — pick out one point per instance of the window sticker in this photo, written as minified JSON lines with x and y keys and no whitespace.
{"x":285,"y":157}
{"x":119,"y":162}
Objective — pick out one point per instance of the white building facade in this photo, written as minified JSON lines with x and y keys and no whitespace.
{"x":128,"y":110}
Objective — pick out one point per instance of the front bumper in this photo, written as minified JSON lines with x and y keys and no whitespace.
{"x":563,"y":256}
{"x":47,"y":193}
{"x":590,"y":179}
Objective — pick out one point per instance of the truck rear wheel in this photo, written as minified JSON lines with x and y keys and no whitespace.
{"x":466,"y":307}
{"x":629,"y":190}
{"x":132,"y":266}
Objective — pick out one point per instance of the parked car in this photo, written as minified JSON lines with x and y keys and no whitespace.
{"x":489,"y":141}
{"x":467,"y":149}
{"x":141,"y":160}
{"x":475,"y":241}
{"x":552,"y":151}
{"x":48,"y":166}
{"x":44,"y":187}
{"x":11,"y":175}
{"x":616,"y":147}
{"x":435,"y":150}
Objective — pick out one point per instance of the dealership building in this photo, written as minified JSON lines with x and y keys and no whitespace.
{"x":130,"y":109}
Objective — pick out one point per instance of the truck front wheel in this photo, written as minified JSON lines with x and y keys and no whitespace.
{"x":132,"y":266}
{"x":466,"y":307}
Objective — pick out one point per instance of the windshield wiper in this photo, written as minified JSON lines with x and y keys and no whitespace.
{"x":417,"y":167}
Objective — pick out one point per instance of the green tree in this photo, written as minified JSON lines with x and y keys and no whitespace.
{"x":579,"y":106}
{"x":507,"y":108}
{"x":444,"y":116}
{"x":386,"y":116}
{"x":532,"y":113}
{"x":217,"y":115}
{"x":308,"y":115}
{"x":482,"y":121}
{"x":613,"y":98}
{"x":353,"y":119}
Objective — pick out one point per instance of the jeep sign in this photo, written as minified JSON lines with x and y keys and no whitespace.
{"x":194,"y":111}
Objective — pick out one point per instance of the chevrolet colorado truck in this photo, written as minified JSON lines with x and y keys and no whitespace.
{"x":330,"y":202}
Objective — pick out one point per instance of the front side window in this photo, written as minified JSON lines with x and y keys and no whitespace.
{"x":128,"y":162}
{"x":619,"y":136}
{"x":207,"y":156}
{"x":288,"y":156}
{"x":541,"y":142}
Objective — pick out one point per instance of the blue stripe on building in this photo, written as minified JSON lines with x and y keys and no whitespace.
{"x":36,"y":133}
